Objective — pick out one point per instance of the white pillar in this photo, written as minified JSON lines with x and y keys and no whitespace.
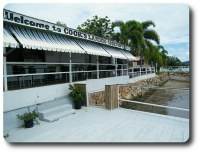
{"x":97,"y":67}
{"x":116,"y":67}
{"x":127,"y":68}
{"x":5,"y":70}
{"x":70,"y":67}
{"x":122,"y":69}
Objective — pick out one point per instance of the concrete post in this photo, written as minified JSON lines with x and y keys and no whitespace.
{"x":5,"y":70}
{"x":116,"y":67}
{"x":97,"y":67}
{"x":70,"y":67}
{"x":122,"y":69}
{"x":127,"y":68}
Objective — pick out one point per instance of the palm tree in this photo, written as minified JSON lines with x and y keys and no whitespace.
{"x":150,"y":37}
{"x":163,"y":54}
{"x":157,"y":56}
{"x":137,"y":35}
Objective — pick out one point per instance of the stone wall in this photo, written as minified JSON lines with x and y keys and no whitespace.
{"x":180,"y":76}
{"x":127,"y":91}
{"x":135,"y":89}
{"x":97,"y":98}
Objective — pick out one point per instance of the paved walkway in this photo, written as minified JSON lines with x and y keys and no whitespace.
{"x":92,"y":124}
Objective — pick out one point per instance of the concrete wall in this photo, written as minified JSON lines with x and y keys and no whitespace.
{"x":26,"y":97}
{"x":10,"y":120}
{"x":19,"y":101}
{"x":94,"y":85}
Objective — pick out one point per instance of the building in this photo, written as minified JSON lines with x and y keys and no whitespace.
{"x":42,"y":58}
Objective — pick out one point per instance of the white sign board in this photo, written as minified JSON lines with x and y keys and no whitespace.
{"x":20,"y":19}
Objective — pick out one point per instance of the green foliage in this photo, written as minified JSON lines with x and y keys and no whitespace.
{"x":186,"y":63}
{"x":173,"y":61}
{"x":97,"y":26}
{"x":61,"y":24}
{"x":28,"y":116}
{"x":143,"y":40}
{"x":158,"y":73}
{"x":147,"y":24}
{"x":137,"y":35}
{"x":76,"y":93}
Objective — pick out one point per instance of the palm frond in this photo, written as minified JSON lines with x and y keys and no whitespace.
{"x":117,"y":23}
{"x":147,"y":24}
{"x":152,"y":35}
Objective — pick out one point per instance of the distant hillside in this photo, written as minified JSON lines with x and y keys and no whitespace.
{"x":186,"y":63}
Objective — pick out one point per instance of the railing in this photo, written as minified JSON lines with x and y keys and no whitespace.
{"x":32,"y":74}
{"x":175,"y":69}
{"x":148,"y":104}
{"x":162,"y":100}
{"x":28,"y":74}
{"x":134,"y":72}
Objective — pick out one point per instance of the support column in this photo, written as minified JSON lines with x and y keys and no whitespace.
{"x":116,"y":67}
{"x":122,"y":69}
{"x":97,"y":67}
{"x":70,"y":67}
{"x":5,"y":70}
{"x":127,"y":68}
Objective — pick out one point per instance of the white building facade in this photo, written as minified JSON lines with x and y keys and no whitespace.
{"x":42,"y":58}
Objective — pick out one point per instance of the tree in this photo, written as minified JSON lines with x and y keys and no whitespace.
{"x":149,"y":36}
{"x":163,"y":54}
{"x":173,"y":61}
{"x":97,"y":26}
{"x":137,"y":35}
{"x":130,"y":34}
{"x":143,"y":40}
{"x":61,"y":24}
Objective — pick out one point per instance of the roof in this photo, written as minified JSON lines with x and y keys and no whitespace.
{"x":32,"y":33}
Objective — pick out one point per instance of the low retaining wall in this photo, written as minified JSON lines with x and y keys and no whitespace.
{"x":131,"y":90}
{"x":97,"y":98}
{"x":126,"y":91}
{"x":180,"y":76}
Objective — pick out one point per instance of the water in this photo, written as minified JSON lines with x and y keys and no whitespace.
{"x":169,"y":97}
{"x":180,"y":99}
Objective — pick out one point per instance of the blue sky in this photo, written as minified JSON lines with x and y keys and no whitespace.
{"x":172,"y":20}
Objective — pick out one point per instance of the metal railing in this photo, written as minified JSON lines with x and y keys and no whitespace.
{"x":149,"y":104}
{"x":175,"y":69}
{"x":31,"y":74}
{"x":151,"y":98}
{"x":134,"y":72}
